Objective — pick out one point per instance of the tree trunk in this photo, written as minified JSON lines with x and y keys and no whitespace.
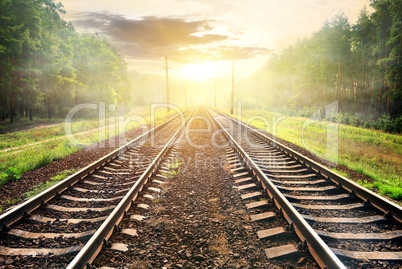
{"x":363,"y":89}
{"x":49,"y":110}
{"x":5,"y":109}
{"x":338,"y":84}
{"x":12,"y":110}
{"x":368,"y":96}
{"x":396,"y":108}
{"x":385,"y":105}
{"x":21,"y":105}
{"x":26,"y":108}
{"x":378,"y":106}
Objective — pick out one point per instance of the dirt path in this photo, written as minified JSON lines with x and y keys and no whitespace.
{"x":38,"y":125}
{"x":32,"y":145}
{"x":138,"y":111}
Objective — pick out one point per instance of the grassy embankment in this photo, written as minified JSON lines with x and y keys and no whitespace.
{"x":39,"y":188}
{"x":373,"y":153}
{"x":13,"y":164}
{"x":16,"y":139}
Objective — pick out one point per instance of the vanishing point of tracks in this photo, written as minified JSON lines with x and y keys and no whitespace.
{"x":329,"y":217}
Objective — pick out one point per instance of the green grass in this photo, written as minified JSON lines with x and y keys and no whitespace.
{"x":13,"y":165}
{"x":11,"y":174}
{"x":39,"y":188}
{"x":370,"y":152}
{"x":174,"y":169}
{"x":36,"y":134}
{"x":11,"y":202}
{"x":157,"y":201}
{"x":34,"y":158}
{"x":43,"y":186}
{"x":42,"y":132}
{"x":340,"y":172}
{"x":175,"y":164}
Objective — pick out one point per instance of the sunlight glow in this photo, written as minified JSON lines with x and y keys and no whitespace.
{"x":200,"y":72}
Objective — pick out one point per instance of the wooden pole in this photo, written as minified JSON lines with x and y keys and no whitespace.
{"x":231,"y":107}
{"x":167,"y":84}
{"x":185,"y":93}
{"x":215,"y":94}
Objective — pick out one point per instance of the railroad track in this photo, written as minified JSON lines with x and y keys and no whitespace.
{"x":80,"y":213}
{"x":336,"y":220}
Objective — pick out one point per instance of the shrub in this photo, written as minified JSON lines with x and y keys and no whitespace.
{"x":342,"y":118}
{"x":46,"y":159}
{"x":355,"y":120}
{"x":385,"y":123}
{"x":398,"y":125}
{"x":388,"y":190}
{"x":11,"y":174}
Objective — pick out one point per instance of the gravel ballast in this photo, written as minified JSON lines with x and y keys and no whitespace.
{"x":199,"y":221}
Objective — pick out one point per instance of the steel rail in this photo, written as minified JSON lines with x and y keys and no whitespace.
{"x":390,"y":209}
{"x":318,"y":249}
{"x":91,"y":249}
{"x":24,"y":209}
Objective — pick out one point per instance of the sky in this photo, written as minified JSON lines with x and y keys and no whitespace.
{"x":201,"y":38}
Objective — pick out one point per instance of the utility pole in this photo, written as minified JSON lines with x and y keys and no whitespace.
{"x":167,"y":84}
{"x":192,"y":97}
{"x":215,"y":93}
{"x":231,"y":107}
{"x":185,"y":93}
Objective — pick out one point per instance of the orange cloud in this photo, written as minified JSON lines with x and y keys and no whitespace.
{"x":153,"y":37}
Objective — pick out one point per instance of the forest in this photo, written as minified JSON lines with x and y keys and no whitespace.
{"x":357,"y":65}
{"x":46,"y":67}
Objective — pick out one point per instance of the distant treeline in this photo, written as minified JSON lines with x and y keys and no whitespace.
{"x":46,"y":67}
{"x":358,"y":65}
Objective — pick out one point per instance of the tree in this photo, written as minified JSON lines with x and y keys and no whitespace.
{"x":46,"y":67}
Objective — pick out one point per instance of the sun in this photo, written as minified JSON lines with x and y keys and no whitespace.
{"x":199,"y":71}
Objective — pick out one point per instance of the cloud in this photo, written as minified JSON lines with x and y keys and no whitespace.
{"x":150,"y":31}
{"x":218,"y":53}
{"x":154,"y":37}
{"x":154,"y":32}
